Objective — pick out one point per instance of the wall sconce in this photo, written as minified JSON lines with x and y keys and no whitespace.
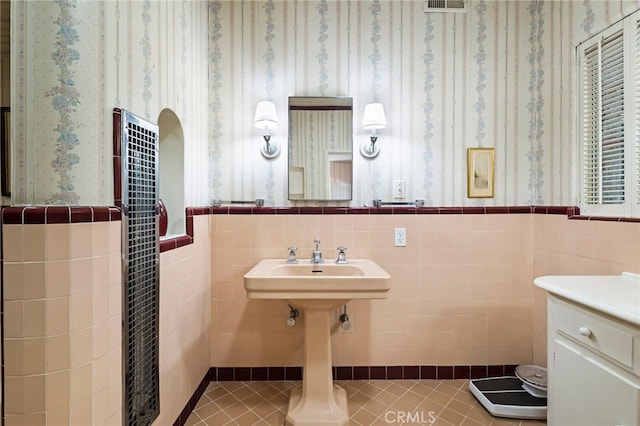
{"x":267,"y":119}
{"x":373,"y":119}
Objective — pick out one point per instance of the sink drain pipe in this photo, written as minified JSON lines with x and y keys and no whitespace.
{"x":293,"y":314}
{"x":344,"y":319}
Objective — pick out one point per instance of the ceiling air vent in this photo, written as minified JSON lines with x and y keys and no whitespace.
{"x":445,"y":5}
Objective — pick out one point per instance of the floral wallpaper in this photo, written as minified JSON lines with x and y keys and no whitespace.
{"x":535,"y":106}
{"x":498,"y":75}
{"x":77,"y":61}
{"x":65,"y":100}
{"x":427,"y":111}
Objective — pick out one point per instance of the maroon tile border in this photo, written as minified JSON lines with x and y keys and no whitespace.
{"x":42,"y":215}
{"x":364,"y":372}
{"x":175,"y":242}
{"x":572,"y":212}
{"x":75,"y":214}
{"x":27,"y":215}
{"x":2,"y":359}
{"x":478,"y":371}
{"x":404,"y":210}
{"x":392,"y":372}
{"x":117,"y":157}
{"x":445,"y":372}
{"x":183,"y":240}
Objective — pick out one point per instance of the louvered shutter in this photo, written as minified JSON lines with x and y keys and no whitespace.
{"x":637,"y":112}
{"x":604,"y":121}
{"x":609,"y":90}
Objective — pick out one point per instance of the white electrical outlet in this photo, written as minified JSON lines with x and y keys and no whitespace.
{"x":401,"y":237}
{"x":398,"y":189}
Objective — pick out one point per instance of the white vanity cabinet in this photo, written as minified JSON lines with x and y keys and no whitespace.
{"x":593,"y":349}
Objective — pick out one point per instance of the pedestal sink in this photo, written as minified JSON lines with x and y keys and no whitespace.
{"x":317,"y":289}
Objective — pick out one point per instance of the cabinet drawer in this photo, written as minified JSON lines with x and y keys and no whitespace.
{"x":596,"y":332}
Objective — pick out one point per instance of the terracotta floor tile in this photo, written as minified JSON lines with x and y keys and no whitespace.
{"x":440,"y":398}
{"x":497,"y":421}
{"x":459,"y":406}
{"x":372,"y":402}
{"x":243,"y":393}
{"x":248,"y":418}
{"x":480,"y":415}
{"x":193,"y":420}
{"x":376,"y":407}
{"x":470,"y":422}
{"x":451,"y":416}
{"x":217,"y":419}
{"x":235,"y":410}
{"x":215,"y":392}
{"x":207,"y":410}
{"x":364,"y":417}
{"x":413,"y":398}
{"x":263,"y":409}
{"x":276,"y":419}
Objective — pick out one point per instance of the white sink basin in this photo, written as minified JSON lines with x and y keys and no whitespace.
{"x":275,"y":279}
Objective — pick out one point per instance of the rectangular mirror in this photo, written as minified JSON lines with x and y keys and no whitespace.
{"x":320,"y":148}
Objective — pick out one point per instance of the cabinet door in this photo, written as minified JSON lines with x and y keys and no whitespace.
{"x":586,"y":390}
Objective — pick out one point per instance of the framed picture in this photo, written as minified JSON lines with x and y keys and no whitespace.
{"x":5,"y":152}
{"x":480,"y":172}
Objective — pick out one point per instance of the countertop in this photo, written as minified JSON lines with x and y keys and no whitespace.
{"x":615,"y":295}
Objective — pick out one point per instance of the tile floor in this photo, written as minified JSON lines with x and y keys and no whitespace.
{"x":371,"y":402}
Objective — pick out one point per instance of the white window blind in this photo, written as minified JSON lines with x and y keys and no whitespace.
{"x":637,"y":114}
{"x":610,"y":90}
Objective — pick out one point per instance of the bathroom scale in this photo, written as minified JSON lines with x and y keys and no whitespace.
{"x":507,"y":397}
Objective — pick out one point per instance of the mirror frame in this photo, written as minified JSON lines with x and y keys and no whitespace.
{"x":295,"y":174}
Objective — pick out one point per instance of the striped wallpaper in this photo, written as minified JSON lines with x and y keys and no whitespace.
{"x":499,"y":75}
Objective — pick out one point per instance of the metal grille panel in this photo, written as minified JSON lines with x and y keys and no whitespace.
{"x":141,"y":403}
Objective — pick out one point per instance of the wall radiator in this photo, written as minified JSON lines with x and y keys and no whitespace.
{"x":140,"y":269}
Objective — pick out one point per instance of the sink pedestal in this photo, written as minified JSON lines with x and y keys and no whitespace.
{"x":317,"y":401}
{"x":317,"y":289}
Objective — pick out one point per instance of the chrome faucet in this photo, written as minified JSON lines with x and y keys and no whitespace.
{"x":317,"y":254}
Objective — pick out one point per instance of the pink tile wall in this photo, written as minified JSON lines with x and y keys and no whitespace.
{"x":462,"y":294}
{"x":185,"y":319}
{"x":461,"y":289}
{"x":578,"y":247}
{"x":62,"y":300}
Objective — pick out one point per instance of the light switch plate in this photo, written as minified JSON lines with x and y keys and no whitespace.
{"x":398,"y":189}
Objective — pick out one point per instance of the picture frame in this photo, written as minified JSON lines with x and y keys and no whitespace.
{"x":480,"y":172}
{"x":5,"y":150}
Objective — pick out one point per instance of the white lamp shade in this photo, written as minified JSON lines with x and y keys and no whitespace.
{"x":266,"y":117}
{"x":373,"y":117}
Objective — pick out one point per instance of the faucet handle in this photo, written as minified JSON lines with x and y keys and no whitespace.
{"x":316,"y":241}
{"x":292,"y":254}
{"x":342,"y":257}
